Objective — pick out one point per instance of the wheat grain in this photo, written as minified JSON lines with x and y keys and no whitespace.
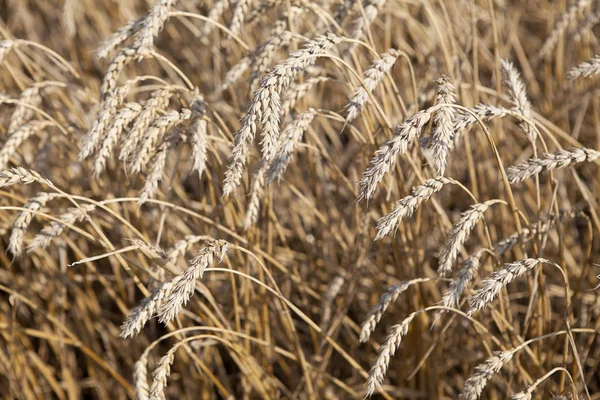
{"x":371,"y":77}
{"x":409,"y":204}
{"x":387,"y":298}
{"x":385,"y":157}
{"x":549,"y":161}
{"x":499,"y":279}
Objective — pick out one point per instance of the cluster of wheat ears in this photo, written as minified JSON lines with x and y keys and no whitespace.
{"x":299,"y":199}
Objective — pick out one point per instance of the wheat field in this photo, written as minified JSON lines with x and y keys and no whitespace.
{"x":293,"y":199}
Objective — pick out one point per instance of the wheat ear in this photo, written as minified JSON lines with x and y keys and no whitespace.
{"x":289,"y":140}
{"x":15,"y":244}
{"x":184,"y":284}
{"x":215,"y":13}
{"x":371,"y":78}
{"x":140,"y":378}
{"x":387,"y":351}
{"x":442,"y":134}
{"x":409,"y":204}
{"x":549,"y":161}
{"x":385,"y":157}
{"x":55,"y":228}
{"x":18,"y":137}
{"x":518,"y":95}
{"x":460,"y":233}
{"x":199,"y":135}
{"x":387,"y":298}
{"x":153,"y":24}
{"x":483,"y":373}
{"x":117,"y":38}
{"x":499,"y":279}
{"x":586,"y":69}
{"x":17,"y":175}
{"x":257,"y":188}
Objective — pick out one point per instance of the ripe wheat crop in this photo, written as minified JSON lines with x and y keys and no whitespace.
{"x":269,"y":199}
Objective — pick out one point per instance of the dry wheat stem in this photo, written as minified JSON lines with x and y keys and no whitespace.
{"x":388,"y":297}
{"x":549,"y":161}
{"x":385,"y":157}
{"x":499,"y":279}
{"x":408,"y":205}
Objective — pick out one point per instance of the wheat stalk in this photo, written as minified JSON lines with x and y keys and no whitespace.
{"x":549,"y":161}
{"x":385,"y":157}
{"x":388,"y":297}
{"x":408,"y":205}
{"x":499,"y":279}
